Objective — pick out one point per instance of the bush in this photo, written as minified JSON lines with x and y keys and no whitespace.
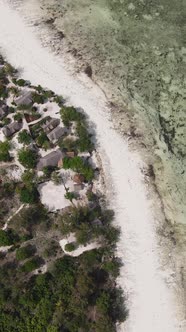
{"x":70,"y":247}
{"x":29,"y":195}
{"x":84,"y":142}
{"x":69,"y":114}
{"x":18,"y":117}
{"x":8,"y":189}
{"x":24,"y":252}
{"x":4,"y":151}
{"x":21,"y":82}
{"x":28,"y":178}
{"x":52,"y":249}
{"x":27,"y":158}
{"x":48,"y":170}
{"x":32,"y":264}
{"x":59,"y":100}
{"x":68,"y":144}
{"x":56,"y":178}
{"x":78,"y":165}
{"x":42,"y":139}
{"x":70,"y":195}
{"x":7,"y":237}
{"x":9,"y":69}
{"x":24,"y":137}
{"x":37,"y":98}
{"x":6,"y":121}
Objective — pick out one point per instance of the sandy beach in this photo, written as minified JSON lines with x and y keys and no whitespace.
{"x":152,"y":286}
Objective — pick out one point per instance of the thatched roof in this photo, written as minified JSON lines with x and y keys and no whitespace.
{"x":12,"y":128}
{"x":51,"y":159}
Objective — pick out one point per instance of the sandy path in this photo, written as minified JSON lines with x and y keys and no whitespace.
{"x":154,"y":306}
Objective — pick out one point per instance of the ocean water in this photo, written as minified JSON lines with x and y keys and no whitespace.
{"x":137,"y":52}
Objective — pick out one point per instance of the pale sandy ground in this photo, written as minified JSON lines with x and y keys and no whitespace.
{"x":81,"y":249}
{"x":53,"y":196}
{"x":154,"y":304}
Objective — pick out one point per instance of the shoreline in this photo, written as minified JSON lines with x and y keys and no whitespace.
{"x":130,"y":115}
{"x":133,"y":162}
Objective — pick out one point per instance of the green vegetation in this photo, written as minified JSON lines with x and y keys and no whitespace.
{"x":24,"y":252}
{"x":84,"y":142}
{"x":76,"y":293}
{"x":20,"y":82}
{"x":38,"y":98}
{"x":28,"y":178}
{"x":51,"y":249}
{"x":4,"y":151}
{"x":18,"y":117}
{"x":56,"y":178}
{"x":29,"y":195}
{"x":78,"y":165}
{"x":6,"y":121}
{"x":24,"y":137}
{"x":30,"y":220}
{"x":9,"y":69}
{"x":68,"y":144}
{"x":8,"y":237}
{"x":69,"y":114}
{"x":70,"y":247}
{"x":70,"y":195}
{"x":42,"y":140}
{"x":32,"y":264}
{"x":81,"y":221}
{"x":27,"y":158}
{"x":62,"y":299}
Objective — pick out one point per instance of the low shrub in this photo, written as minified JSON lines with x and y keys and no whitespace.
{"x":37,"y":98}
{"x":25,"y":252}
{"x":69,"y":114}
{"x":29,"y":195}
{"x":8,"y":237}
{"x":70,"y":247}
{"x":27,"y":158}
{"x":24,"y":137}
{"x":78,"y":165}
{"x":32,"y":264}
{"x":4,"y":151}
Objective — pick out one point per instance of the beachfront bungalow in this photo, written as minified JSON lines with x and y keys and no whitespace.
{"x":53,"y":159}
{"x":3,"y":110}
{"x":24,"y":99}
{"x":56,"y":133}
{"x":50,"y":125}
{"x":12,"y":128}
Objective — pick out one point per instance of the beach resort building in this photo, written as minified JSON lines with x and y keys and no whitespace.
{"x":50,"y":125}
{"x":12,"y":128}
{"x":53,"y":159}
{"x":24,"y":99}
{"x":56,"y":133}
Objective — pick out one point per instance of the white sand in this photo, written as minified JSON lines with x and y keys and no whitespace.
{"x":52,"y":196}
{"x":154,"y":306}
{"x":81,"y":249}
{"x":5,"y":248}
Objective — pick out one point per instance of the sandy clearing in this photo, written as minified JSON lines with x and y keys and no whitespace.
{"x":5,"y":248}
{"x":81,"y":249}
{"x":154,"y":305}
{"x":52,"y":196}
